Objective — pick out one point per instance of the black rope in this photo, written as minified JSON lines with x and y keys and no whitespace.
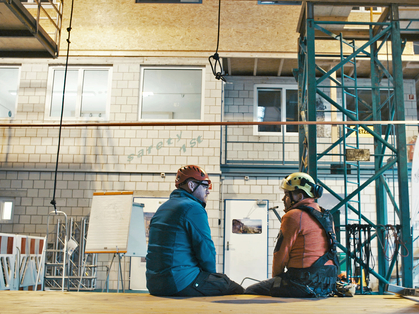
{"x":355,"y":234}
{"x":53,"y":202}
{"x":220,"y":74}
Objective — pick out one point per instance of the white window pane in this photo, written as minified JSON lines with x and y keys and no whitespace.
{"x":269,"y":108}
{"x":171,"y":94}
{"x":361,"y":106}
{"x":7,"y":210}
{"x":168,"y":1}
{"x":70,"y":99}
{"x":8,"y":91}
{"x":94,"y":94}
{"x":292,"y":109}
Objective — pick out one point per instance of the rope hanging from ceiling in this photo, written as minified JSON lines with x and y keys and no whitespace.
{"x":216,"y":58}
{"x":53,"y":201}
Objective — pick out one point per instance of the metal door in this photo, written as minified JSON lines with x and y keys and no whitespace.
{"x":246,"y":240}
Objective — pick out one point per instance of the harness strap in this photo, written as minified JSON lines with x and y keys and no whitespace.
{"x":326,"y":220}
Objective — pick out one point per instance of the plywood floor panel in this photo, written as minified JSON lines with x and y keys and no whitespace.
{"x":25,"y":302}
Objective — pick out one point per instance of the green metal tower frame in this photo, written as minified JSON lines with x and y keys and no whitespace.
{"x":310,"y":77}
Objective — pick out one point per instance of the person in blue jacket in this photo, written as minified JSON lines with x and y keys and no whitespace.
{"x":181,"y":255}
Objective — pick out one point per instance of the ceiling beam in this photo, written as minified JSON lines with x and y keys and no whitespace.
{"x":281,"y":64}
{"x":411,"y":65}
{"x":255,"y":67}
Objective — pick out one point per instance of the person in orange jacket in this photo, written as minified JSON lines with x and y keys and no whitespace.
{"x":305,"y":263}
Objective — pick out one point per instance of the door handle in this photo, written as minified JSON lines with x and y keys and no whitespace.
{"x":228,"y":246}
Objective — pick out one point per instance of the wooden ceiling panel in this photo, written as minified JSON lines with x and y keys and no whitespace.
{"x":274,"y":67}
{"x":268,"y":67}
{"x":242,"y":66}
{"x":288,"y":67}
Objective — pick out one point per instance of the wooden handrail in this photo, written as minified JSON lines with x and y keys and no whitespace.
{"x":184,"y":123}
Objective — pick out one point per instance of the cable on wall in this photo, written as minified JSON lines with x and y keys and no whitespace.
{"x":216,"y":58}
{"x":53,"y":202}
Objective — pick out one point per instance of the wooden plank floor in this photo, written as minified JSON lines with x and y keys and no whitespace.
{"x":25,"y":302}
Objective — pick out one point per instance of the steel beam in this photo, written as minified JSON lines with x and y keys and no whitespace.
{"x":311,"y":93}
{"x":380,"y":196}
{"x":406,"y":236}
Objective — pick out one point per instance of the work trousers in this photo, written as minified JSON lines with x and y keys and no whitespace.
{"x":211,"y":284}
{"x":299,"y":283}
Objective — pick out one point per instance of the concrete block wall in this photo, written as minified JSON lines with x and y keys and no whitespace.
{"x":238,"y":106}
{"x":97,"y":159}
{"x":244,"y":145}
{"x":32,"y":191}
{"x":132,"y":149}
{"x":101,"y":158}
{"x":109,"y":148}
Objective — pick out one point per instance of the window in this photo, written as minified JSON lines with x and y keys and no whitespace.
{"x":6,"y":210}
{"x":275,"y":103}
{"x":366,"y":9}
{"x":168,"y":1}
{"x":416,"y":47}
{"x":362,"y":107}
{"x":9,"y":82}
{"x":86,"y":93}
{"x":280,"y":2}
{"x":171,"y":93}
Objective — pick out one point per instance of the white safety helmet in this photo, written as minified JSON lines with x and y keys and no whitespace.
{"x":302,"y":181}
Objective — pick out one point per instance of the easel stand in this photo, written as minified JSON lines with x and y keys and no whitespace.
{"x":108,"y":271}
{"x":119,"y":255}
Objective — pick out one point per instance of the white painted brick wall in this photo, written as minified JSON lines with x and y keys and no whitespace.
{"x":108,"y":148}
{"x":74,"y":194}
{"x":238,"y":106}
{"x":96,"y":158}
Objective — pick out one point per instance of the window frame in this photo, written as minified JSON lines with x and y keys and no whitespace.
{"x":280,"y":2}
{"x":169,"y":1}
{"x":3,"y":200}
{"x":363,"y":9}
{"x":363,"y":89}
{"x":140,"y":105}
{"x":284,"y":88}
{"x":17,"y":89}
{"x":80,"y":76}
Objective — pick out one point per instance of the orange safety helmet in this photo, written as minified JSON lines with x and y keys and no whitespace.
{"x":190,"y":171}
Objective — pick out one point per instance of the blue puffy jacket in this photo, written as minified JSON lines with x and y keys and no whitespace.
{"x":180,"y":244}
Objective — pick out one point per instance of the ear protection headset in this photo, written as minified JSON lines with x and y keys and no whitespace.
{"x":316,"y":189}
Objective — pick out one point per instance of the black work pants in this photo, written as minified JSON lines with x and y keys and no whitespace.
{"x":207,"y":284}
{"x":298,"y":283}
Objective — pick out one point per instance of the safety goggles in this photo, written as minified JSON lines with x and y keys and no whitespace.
{"x":204,"y":185}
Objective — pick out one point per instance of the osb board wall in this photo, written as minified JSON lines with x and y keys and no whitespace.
{"x":126,"y":26}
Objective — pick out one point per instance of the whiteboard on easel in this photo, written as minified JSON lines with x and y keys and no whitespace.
{"x":137,"y":244}
{"x":109,"y":222}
